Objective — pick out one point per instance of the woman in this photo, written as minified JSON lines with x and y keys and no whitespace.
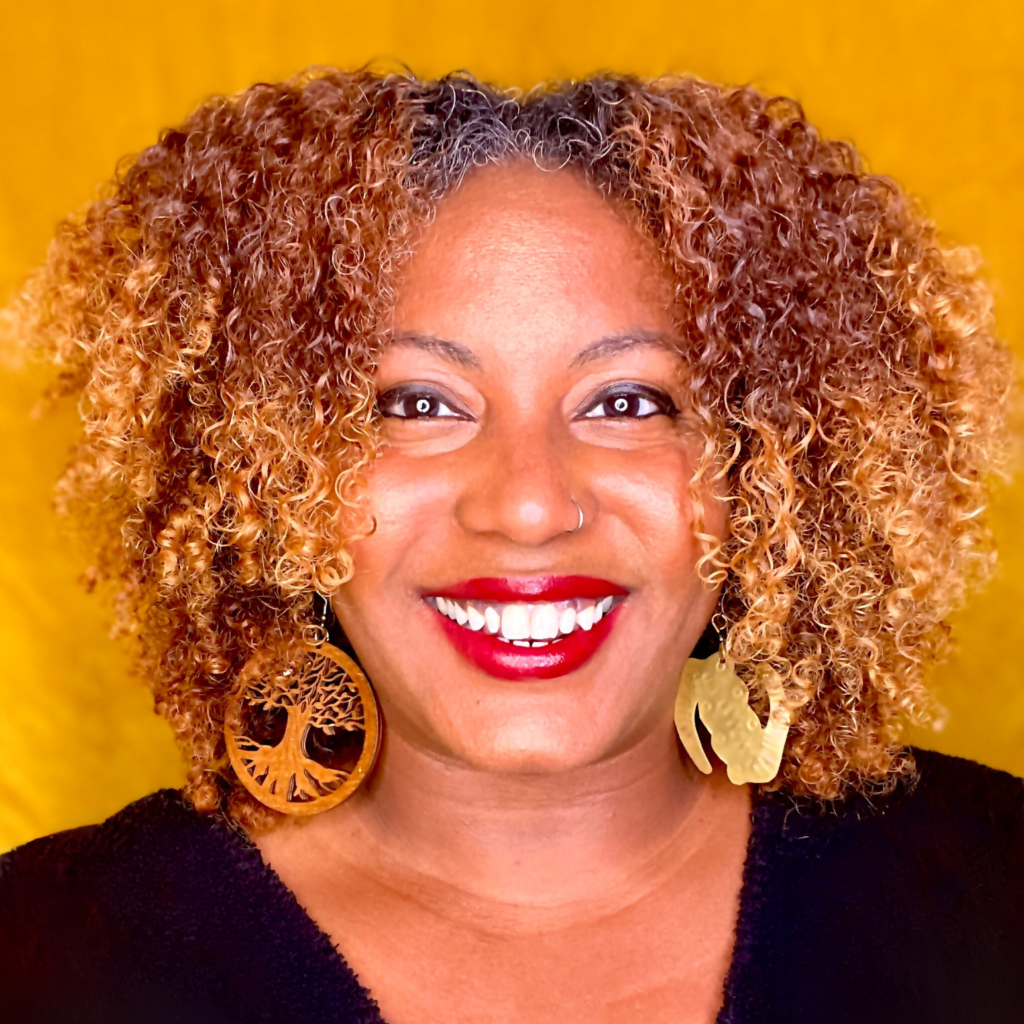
{"x":532,"y":408}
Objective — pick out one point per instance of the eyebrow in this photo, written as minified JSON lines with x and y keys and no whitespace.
{"x":451,"y":351}
{"x":612,"y":345}
{"x":603,"y":348}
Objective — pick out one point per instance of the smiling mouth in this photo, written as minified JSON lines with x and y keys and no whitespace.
{"x":527,"y":624}
{"x":521,"y":628}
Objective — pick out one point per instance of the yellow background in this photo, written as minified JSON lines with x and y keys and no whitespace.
{"x":933,"y":94}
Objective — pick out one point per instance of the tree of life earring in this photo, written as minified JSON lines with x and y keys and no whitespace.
{"x":303,"y":729}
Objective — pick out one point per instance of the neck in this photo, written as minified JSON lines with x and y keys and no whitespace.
{"x":534,"y":840}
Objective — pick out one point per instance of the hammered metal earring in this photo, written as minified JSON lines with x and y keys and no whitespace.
{"x":751,"y":753}
{"x":303,"y":730}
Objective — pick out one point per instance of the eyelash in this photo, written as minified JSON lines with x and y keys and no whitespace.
{"x":388,"y":401}
{"x":633,"y":395}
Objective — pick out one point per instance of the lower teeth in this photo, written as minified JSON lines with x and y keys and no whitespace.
{"x":528,"y":643}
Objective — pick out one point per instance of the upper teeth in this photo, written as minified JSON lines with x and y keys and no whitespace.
{"x":526,"y":624}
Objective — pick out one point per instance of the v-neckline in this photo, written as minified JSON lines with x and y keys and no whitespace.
{"x":751,"y":887}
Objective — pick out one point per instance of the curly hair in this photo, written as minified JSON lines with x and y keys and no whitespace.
{"x":218,"y":312}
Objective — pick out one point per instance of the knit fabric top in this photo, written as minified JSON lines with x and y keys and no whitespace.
{"x":905,"y":909}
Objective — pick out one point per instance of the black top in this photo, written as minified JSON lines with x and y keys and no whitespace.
{"x":906,"y":909}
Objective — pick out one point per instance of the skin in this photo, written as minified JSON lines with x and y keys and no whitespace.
{"x":540,"y":850}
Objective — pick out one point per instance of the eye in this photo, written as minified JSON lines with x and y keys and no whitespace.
{"x":416,"y":402}
{"x":630,"y":401}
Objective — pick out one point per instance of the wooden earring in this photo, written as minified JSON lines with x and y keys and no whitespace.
{"x":303,"y":736}
{"x":752,"y":753}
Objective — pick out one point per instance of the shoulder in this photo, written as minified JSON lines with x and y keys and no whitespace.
{"x":78,"y":906}
{"x":955,"y":841}
{"x":953,"y":816}
{"x":161,"y":820}
{"x":81,"y":858}
{"x":946,"y":846}
{"x":950,"y":814}
{"x":157,"y":849}
{"x":161,"y":914}
{"x":910,"y":905}
{"x":979,"y":802}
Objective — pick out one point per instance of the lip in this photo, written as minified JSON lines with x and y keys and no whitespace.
{"x":530,"y":588}
{"x":506,"y":661}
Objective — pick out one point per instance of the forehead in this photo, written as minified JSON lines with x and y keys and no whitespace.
{"x":530,"y":244}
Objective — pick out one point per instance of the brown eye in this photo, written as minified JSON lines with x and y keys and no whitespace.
{"x":631,"y":402}
{"x":416,"y":403}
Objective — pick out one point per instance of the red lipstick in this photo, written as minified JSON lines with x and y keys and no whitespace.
{"x":505,"y":660}
{"x":531,"y":588}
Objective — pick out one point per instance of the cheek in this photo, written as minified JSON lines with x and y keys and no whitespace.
{"x":407,"y":504}
{"x":648,"y":493}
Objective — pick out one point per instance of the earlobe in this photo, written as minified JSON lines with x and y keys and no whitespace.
{"x":751,"y":753}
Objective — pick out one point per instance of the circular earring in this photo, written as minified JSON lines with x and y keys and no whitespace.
{"x":302,"y":732}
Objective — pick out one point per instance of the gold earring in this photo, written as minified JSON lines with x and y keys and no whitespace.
{"x":328,"y":740}
{"x":751,"y":753}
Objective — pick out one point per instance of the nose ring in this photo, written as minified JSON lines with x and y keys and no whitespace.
{"x":579,"y":525}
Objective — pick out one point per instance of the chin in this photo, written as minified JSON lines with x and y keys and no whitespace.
{"x":532,"y":749}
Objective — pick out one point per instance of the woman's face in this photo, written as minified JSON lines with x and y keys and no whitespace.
{"x":530,"y":377}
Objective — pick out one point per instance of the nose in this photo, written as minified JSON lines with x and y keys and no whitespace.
{"x":519,"y":488}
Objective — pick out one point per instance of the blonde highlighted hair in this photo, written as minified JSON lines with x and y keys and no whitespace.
{"x":218,"y":312}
